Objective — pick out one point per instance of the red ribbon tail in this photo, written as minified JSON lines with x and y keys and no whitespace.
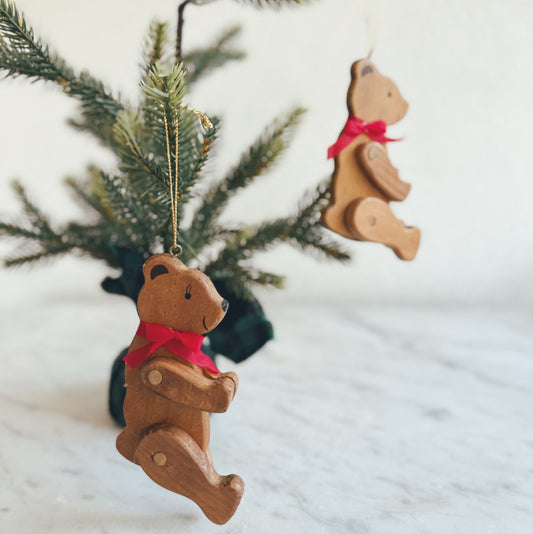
{"x":134,"y":358}
{"x":155,"y":346}
{"x":385,"y":139}
{"x":342,"y":142}
{"x":203,"y":360}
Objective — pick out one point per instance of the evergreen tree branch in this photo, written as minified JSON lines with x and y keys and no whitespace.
{"x":107,"y":229}
{"x":257,"y":159}
{"x":88,"y":193}
{"x":16,"y":231}
{"x":99,"y":109}
{"x":36,"y":218}
{"x":155,"y":47}
{"x":37,"y":225}
{"x":243,"y":244}
{"x":302,"y":231}
{"x":202,"y":61}
{"x":83,"y":195}
{"x":22,"y":54}
{"x":98,"y":241}
{"x":33,"y":257}
{"x":308,"y":234}
{"x":146,"y":175}
{"x":264,"y":278}
{"x":164,"y":93}
{"x":85,"y":239}
{"x":40,"y":240}
{"x":135,"y":223}
{"x":241,"y":279}
{"x":164,"y":96}
{"x":194,"y":145}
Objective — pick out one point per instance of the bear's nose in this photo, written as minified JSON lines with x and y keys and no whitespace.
{"x":225,"y":305}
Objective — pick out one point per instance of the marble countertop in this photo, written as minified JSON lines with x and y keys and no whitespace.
{"x":354,"y":420}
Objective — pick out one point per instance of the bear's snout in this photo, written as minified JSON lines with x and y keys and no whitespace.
{"x":225,"y":305}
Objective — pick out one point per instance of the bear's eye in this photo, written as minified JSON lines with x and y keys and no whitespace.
{"x":188,"y":292}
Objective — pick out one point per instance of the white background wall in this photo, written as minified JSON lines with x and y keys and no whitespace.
{"x":465,"y":68}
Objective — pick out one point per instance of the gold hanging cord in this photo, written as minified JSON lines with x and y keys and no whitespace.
{"x":176,"y":249}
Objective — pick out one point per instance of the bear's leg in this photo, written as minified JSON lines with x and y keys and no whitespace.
{"x":126,"y":443}
{"x":371,"y":219}
{"x":172,"y":459}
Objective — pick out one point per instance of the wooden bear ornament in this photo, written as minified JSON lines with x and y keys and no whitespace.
{"x":172,"y":387}
{"x":364,"y":180}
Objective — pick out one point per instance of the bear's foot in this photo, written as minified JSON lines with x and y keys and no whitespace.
{"x":371,"y":219}
{"x":172,"y":459}
{"x":126,"y":442}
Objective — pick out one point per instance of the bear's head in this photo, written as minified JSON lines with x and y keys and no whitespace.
{"x":178,"y":297}
{"x":372,"y":96}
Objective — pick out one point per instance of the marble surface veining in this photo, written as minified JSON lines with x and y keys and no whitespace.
{"x":354,"y":420}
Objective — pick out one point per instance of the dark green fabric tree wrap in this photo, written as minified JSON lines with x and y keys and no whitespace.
{"x":117,"y":390}
{"x":243,"y":331}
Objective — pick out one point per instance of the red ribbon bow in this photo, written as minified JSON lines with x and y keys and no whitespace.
{"x":354,"y":127}
{"x":186,"y":345}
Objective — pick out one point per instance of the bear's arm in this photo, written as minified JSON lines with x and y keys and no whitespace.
{"x":378,"y":167}
{"x":189,"y":386}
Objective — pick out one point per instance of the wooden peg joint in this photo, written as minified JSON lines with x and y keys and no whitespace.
{"x":155,"y":377}
{"x":159,"y":459}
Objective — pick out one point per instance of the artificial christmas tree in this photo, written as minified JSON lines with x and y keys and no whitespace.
{"x":128,"y":210}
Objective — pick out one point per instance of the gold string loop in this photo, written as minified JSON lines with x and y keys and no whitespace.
{"x":175,"y":250}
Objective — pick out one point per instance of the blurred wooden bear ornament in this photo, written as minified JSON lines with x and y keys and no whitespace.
{"x":172,"y":387}
{"x":364,"y":180}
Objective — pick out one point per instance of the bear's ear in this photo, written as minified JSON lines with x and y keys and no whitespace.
{"x":160,"y":264}
{"x":363,"y":68}
{"x":158,"y":270}
{"x":367,"y":70}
